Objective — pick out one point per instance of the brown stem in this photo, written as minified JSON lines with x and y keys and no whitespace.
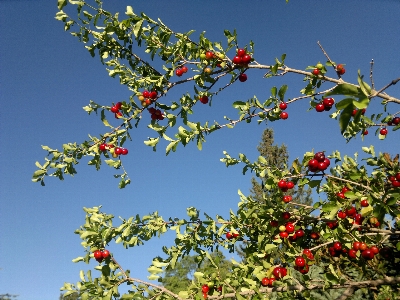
{"x":370,"y":74}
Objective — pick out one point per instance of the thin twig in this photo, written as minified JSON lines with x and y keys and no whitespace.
{"x":370,"y":74}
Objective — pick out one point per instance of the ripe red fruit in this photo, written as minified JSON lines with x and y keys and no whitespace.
{"x":352,"y":253}
{"x":286,"y":215}
{"x":229,"y":235}
{"x":179,"y":72}
{"x":315,"y":72}
{"x":241,"y":52}
{"x":153,"y":95}
{"x":282,"y":105}
{"x":396,"y":183}
{"x":362,"y":246}
{"x":367,"y":254}
{"x":98,"y":255}
{"x":118,"y":115}
{"x":320,"y":107}
{"x":209,"y":55}
{"x":204,"y":99}
{"x":289,"y":227}
{"x":303,"y":270}
{"x":356,"y":245}
{"x":284,"y":115}
{"x":351,"y":211}
{"x":308,"y":253}
{"x":237,"y":60}
{"x":103,"y":147}
{"x":114,"y":109}
{"x":365,"y":132}
{"x":374,"y":249}
{"x":265,"y":281}
{"x":332,"y":225}
{"x":337,"y":246}
{"x":184,"y":69}
{"x":358,"y":218}
{"x":341,"y":214}
{"x":340,"y":69}
{"x":274,"y":223}
{"x":299,"y":233}
{"x":314,"y":235}
{"x":146,"y":94}
{"x":313,"y":163}
{"x":118,"y":105}
{"x":205,"y":295}
{"x":242,"y":77}
{"x":105,"y":253}
{"x":118,"y":151}
{"x":283,"y":234}
{"x":383,"y":131}
{"x":271,"y":281}
{"x":293,"y":238}
{"x":345,"y":189}
{"x":319,"y":156}
{"x":282,"y":184}
{"x":300,"y":261}
{"x":290,"y":185}
{"x":328,"y":102}
{"x":396,"y":121}
{"x":124,"y":151}
{"x":364,"y":203}
{"x":322,"y":166}
{"x":279,"y":272}
{"x":205,"y":288}
{"x":397,"y":176}
{"x":287,"y":198}
{"x":246,"y":59}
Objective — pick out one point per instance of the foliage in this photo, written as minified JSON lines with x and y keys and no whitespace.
{"x":342,"y":187}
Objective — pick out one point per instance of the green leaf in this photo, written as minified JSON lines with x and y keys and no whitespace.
{"x":129,"y":11}
{"x":344,"y":118}
{"x":137,"y":28}
{"x":61,"y":4}
{"x":344,"y":103}
{"x":273,"y":91}
{"x":282,"y":91}
{"x":344,"y":89}
{"x":80,"y":258}
{"x":363,"y":103}
{"x":365,"y":88}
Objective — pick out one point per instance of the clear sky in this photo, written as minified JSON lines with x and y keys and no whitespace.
{"x":46,"y":77}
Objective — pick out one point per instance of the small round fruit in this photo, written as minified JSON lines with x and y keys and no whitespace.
{"x":209,"y":55}
{"x":337,"y":246}
{"x":229,"y":235}
{"x":114,"y":109}
{"x":319,"y":66}
{"x":124,"y":151}
{"x":383,"y":131}
{"x":315,"y":72}
{"x":271,"y":281}
{"x":356,"y":245}
{"x":241,"y":52}
{"x":265,"y":281}
{"x":103,"y":147}
{"x":118,"y":105}
{"x":290,"y":185}
{"x":396,"y":183}
{"x":374,"y":249}
{"x":320,"y":156}
{"x":308,"y":253}
{"x":274,"y":223}
{"x":279,"y":272}
{"x":118,"y":151}
{"x":179,"y":72}
{"x":396,"y":121}
{"x":204,"y":99}
{"x":237,"y":60}
{"x":287,"y":198}
{"x":365,"y":132}
{"x":153,"y":95}
{"x":184,"y":69}
{"x":320,"y":107}
{"x":207,"y":70}
{"x":105,"y":253}
{"x":300,"y":261}
{"x":202,"y":56}
{"x":282,"y":105}
{"x":284,"y":115}
{"x":351,"y":211}
{"x":242,"y":77}
{"x":97,"y":255}
{"x":289,"y":228}
{"x":364,"y":203}
{"x":367,"y":254}
{"x":362,"y":246}
{"x":205,"y":288}
{"x":282,"y":184}
{"x":299,"y":233}
{"x":313,"y":163}
{"x":283,"y":234}
{"x":246,"y":59}
{"x":352,"y":253}
{"x":314,"y":235}
{"x":341,"y":214}
{"x":146,"y":94}
{"x":286,"y":215}
{"x":282,"y":228}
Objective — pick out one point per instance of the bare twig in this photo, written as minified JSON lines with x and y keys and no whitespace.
{"x":370,"y":74}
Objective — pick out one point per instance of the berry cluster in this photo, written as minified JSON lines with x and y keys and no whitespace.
{"x":318,"y":163}
{"x":100,"y":255}
{"x":115,"y":152}
{"x":242,"y":58}
{"x":284,"y":115}
{"x":147,"y":98}
{"x":367,"y":253}
{"x":355,"y":111}
{"x":325,"y":105}
{"x":317,"y":70}
{"x":231,"y":235}
{"x":278,"y":273}
{"x":395,"y":180}
{"x":205,"y":288}
{"x":115,"y":109}
{"x":300,"y":262}
{"x":180,"y":71}
{"x":340,"y":69}
{"x":285,"y":186}
{"x":156,"y":114}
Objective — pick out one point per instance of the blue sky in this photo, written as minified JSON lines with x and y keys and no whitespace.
{"x":47,"y":76}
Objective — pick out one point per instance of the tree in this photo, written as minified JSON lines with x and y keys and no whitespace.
{"x":353,"y":227}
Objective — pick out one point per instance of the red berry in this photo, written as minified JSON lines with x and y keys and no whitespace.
{"x":265,"y":281}
{"x":341,"y":214}
{"x":365,"y":132}
{"x":205,"y":288}
{"x":354,"y":112}
{"x":383,"y":131}
{"x":118,"y":105}
{"x":367,"y":254}
{"x":242,"y":77}
{"x":97,"y":254}
{"x":308,"y":253}
{"x":237,"y":60}
{"x":340,"y":69}
{"x":352,"y":253}
{"x":362,"y":246}
{"x":184,"y":69}
{"x":179,"y":72}
{"x":337,"y":246}
{"x":153,"y":95}
{"x":313,"y":163}
{"x":282,"y":184}
{"x":114,"y":109}
{"x":271,"y":281}
{"x":284,"y":115}
{"x":351,"y":211}
{"x":319,"y":156}
{"x":204,"y":99}
{"x":289,"y":227}
{"x":396,"y":183}
{"x":118,"y":151}
{"x":279,"y":272}
{"x":286,"y":215}
{"x":124,"y":151}
{"x":396,"y":121}
{"x":290,"y":185}
{"x":146,"y":94}
{"x":118,"y":115}
{"x":314,"y":235}
{"x":320,"y":107}
{"x":274,"y":223}
{"x":287,"y":198}
{"x":374,"y":249}
{"x":283,"y":234}
{"x":299,"y":233}
{"x":397,"y":176}
{"x":282,"y":105}
{"x":322,"y":166}
{"x":328,"y":102}
{"x":300,"y":261}
{"x":103,"y":147}
{"x":229,"y":235}
{"x":241,"y":52}
{"x":105,"y":253}
{"x":246,"y":59}
{"x":209,"y":55}
{"x":364,"y":203}
{"x":315,"y":72}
